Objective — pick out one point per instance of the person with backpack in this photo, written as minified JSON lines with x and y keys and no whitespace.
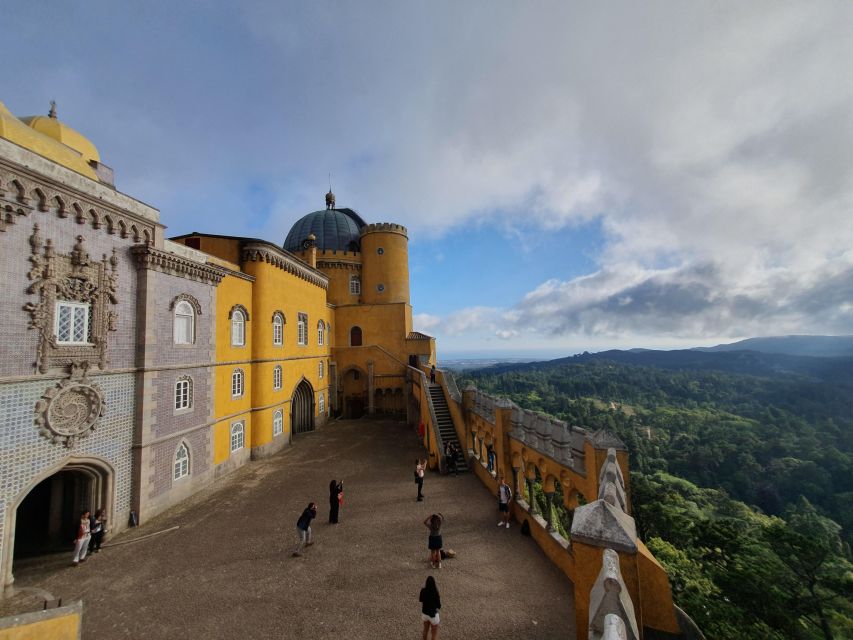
{"x":504,"y":498}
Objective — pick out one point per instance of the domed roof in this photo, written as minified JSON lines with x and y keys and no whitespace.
{"x":47,"y":145}
{"x":51,"y":126}
{"x":334,"y":230}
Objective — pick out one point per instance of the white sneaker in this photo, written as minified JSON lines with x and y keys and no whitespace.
{"x":501,"y":523}
{"x":507,"y":525}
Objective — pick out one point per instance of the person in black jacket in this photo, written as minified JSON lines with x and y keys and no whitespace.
{"x":429,"y":609}
{"x":336,"y":497}
{"x":303,"y":528}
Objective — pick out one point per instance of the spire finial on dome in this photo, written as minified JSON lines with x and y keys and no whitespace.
{"x":330,"y":197}
{"x":52,"y":112}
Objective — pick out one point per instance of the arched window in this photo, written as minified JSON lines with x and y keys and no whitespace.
{"x":320,"y":370}
{"x":277,"y":423}
{"x":238,"y":329}
{"x":183,"y":393}
{"x":302,"y":329}
{"x":321,"y":332}
{"x":278,"y":329}
{"x":321,"y":403}
{"x":184,"y":324}
{"x":276,"y":378}
{"x":238,"y":383}
{"x":182,"y":462}
{"x":355,"y":337}
{"x":237,"y":436}
{"x":354,"y":285}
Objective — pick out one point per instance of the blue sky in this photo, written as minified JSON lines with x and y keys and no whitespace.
{"x":573,"y":176}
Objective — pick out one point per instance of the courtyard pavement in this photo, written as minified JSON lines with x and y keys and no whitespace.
{"x":227,"y":571}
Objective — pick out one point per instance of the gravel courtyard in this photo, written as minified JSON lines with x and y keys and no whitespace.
{"x":227,"y":571}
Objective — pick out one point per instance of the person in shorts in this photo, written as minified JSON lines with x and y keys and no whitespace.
{"x":504,"y":498}
{"x":435,"y":543}
{"x":431,"y":603}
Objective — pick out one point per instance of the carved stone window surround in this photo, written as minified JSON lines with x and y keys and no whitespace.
{"x":73,"y":278}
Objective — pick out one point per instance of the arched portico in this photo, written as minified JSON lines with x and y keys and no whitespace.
{"x":43,"y":518}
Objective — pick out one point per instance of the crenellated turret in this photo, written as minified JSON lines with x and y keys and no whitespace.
{"x":385,"y":263}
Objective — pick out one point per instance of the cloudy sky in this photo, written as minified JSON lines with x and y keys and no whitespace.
{"x":573,"y":175}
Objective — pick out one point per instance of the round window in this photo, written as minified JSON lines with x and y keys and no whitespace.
{"x":380,"y":287}
{"x":380,"y":251}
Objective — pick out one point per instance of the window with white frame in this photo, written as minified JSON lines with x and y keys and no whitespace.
{"x":277,"y":423}
{"x":354,"y":285}
{"x":321,"y":333}
{"x":183,"y":393}
{"x":276,"y":377}
{"x":320,"y":370}
{"x":237,"y":436}
{"x":278,"y":330}
{"x":182,"y":462}
{"x":72,"y":322}
{"x":238,"y":328}
{"x":238,"y":383}
{"x":322,"y":403}
{"x":302,"y":329}
{"x":184,"y":323}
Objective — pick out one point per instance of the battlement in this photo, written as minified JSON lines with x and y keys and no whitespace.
{"x":388,"y":227}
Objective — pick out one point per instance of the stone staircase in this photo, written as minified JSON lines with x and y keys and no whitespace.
{"x":445,"y":424}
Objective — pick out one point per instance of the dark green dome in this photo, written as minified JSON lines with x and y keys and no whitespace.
{"x":334,"y":229}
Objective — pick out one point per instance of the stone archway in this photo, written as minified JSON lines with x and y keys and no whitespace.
{"x":353,"y":389}
{"x":302,"y":408}
{"x":45,"y":515}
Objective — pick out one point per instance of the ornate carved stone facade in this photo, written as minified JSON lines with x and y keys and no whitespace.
{"x":73,"y":277}
{"x":70,"y":409}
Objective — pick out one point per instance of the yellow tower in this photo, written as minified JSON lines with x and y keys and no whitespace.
{"x":384,"y":264}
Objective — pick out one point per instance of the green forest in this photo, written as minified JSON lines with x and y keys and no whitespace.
{"x":742,"y":485}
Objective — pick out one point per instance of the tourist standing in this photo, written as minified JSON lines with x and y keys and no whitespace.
{"x":81,"y":542}
{"x":450,"y":457}
{"x":97,"y":527}
{"x":432,"y":374}
{"x":419,"y":478}
{"x":434,"y":544}
{"x":504,"y":498}
{"x":303,"y":528}
{"x":431,"y":603}
{"x":336,"y":499}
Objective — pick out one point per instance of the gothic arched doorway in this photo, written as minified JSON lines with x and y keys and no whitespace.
{"x":302,"y":408}
{"x":48,"y":513}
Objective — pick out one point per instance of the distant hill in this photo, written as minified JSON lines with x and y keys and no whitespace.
{"x":818,"y":346}
{"x":831,"y":370}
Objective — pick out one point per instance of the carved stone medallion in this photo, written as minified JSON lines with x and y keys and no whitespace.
{"x":69,"y":410}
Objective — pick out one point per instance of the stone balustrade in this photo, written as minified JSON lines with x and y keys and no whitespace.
{"x":611,"y":612}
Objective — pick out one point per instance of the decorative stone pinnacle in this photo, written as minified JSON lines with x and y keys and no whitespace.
{"x":52,"y":112}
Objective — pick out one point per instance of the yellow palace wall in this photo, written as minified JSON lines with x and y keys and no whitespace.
{"x":232,"y":290}
{"x":276,"y":290}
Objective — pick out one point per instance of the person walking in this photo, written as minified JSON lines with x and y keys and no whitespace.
{"x":504,"y":498}
{"x":97,"y":527}
{"x":430,"y":604}
{"x":419,"y":477}
{"x":434,"y":544}
{"x":303,"y":529}
{"x":336,"y":499}
{"x":81,"y":542}
{"x":450,"y":457}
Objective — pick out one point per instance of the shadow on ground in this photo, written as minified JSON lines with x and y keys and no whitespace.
{"x":226,"y":572}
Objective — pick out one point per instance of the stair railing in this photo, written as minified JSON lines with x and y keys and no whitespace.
{"x":433,"y":426}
